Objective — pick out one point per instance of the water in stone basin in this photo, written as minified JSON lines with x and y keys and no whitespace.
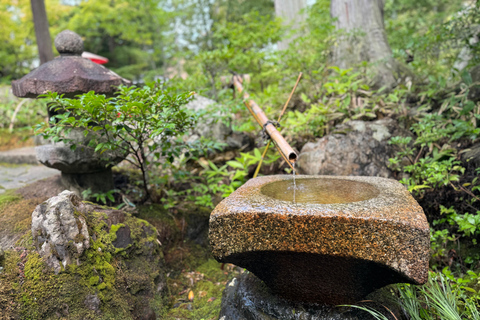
{"x":320,"y":191}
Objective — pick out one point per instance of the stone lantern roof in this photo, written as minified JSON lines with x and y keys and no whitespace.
{"x":68,"y":74}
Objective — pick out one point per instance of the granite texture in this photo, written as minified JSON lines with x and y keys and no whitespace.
{"x":329,"y":253}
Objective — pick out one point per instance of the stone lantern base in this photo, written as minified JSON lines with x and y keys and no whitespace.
{"x":82,"y":168}
{"x":97,"y":182}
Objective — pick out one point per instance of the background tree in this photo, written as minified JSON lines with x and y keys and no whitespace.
{"x":292,"y":14}
{"x":364,"y":39}
{"x":130,"y":33}
{"x":42,"y":31}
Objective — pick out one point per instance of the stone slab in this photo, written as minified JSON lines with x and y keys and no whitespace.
{"x":328,"y":253}
{"x":25,"y":155}
{"x":16,"y":176}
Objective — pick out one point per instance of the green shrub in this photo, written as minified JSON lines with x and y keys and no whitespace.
{"x":143,"y":123}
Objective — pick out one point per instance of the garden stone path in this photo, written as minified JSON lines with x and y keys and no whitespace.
{"x":18,"y":168}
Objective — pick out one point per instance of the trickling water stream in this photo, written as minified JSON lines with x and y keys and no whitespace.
{"x":294,"y":183}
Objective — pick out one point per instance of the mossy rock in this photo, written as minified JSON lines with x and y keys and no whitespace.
{"x":108,"y":280}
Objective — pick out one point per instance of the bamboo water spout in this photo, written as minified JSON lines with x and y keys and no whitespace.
{"x":289,"y":155}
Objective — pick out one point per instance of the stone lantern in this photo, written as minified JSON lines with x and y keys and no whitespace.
{"x":70,"y":75}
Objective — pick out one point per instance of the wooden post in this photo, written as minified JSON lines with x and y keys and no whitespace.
{"x":42,"y":33}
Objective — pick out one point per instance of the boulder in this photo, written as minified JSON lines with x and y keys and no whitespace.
{"x":355,"y":148}
{"x":87,"y":262}
{"x":247,"y":297}
{"x":212,"y":128}
{"x":472,"y":154}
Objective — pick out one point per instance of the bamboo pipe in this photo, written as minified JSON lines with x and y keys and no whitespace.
{"x":285,"y":150}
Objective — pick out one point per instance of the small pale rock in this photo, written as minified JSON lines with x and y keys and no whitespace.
{"x":92,"y":302}
{"x":59,"y":232}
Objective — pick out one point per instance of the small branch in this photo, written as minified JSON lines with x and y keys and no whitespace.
{"x":465,"y":190}
{"x":418,"y":155}
{"x":10,"y":127}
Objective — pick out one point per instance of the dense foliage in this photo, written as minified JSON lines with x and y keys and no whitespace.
{"x":141,"y":123}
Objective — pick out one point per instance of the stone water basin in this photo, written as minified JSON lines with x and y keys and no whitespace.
{"x":343,"y":238}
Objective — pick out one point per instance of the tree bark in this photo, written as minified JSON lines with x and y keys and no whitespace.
{"x":363,"y":38}
{"x":42,"y":33}
{"x":291,"y":13}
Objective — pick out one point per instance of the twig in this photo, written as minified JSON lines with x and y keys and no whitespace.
{"x":466,"y":190}
{"x":418,"y":155}
{"x":10,"y":127}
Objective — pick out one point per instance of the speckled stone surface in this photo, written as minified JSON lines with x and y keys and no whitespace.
{"x":330,"y":253}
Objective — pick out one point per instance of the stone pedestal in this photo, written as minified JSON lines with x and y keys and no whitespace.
{"x":97,"y":182}
{"x":247,"y":297}
{"x":82,"y":168}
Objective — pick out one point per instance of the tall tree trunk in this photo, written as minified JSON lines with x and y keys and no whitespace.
{"x":42,"y":33}
{"x":291,"y":13}
{"x":363,"y":38}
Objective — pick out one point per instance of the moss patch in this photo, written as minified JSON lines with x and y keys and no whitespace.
{"x":107,"y":283}
{"x":189,"y":263}
{"x":206,"y":283}
{"x":8,"y":286}
{"x":15,"y":217}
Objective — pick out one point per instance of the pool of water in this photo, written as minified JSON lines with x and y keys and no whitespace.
{"x":320,"y":190}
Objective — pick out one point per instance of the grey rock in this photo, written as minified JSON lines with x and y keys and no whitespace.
{"x":123,"y":237}
{"x":247,"y":297}
{"x":474,"y":92}
{"x":211,"y":127}
{"x":472,"y":155}
{"x":68,"y":42}
{"x":92,"y":302}
{"x":59,"y":233}
{"x":356,"y":148}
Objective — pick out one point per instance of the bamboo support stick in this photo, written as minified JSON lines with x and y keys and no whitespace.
{"x":279,"y":118}
{"x":284,"y":148}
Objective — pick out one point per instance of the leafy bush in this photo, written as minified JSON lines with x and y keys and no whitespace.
{"x":143,"y":123}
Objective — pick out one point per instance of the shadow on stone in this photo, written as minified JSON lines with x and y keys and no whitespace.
{"x":309,"y":278}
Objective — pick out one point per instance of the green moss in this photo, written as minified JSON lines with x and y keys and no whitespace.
{"x":207,"y":294}
{"x":8,"y":197}
{"x":93,"y":281}
{"x":113,"y":231}
{"x":33,"y":267}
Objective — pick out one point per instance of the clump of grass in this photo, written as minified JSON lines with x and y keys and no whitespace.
{"x":437,"y":299}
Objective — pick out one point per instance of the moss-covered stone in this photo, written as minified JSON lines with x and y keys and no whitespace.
{"x":105,"y":282}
